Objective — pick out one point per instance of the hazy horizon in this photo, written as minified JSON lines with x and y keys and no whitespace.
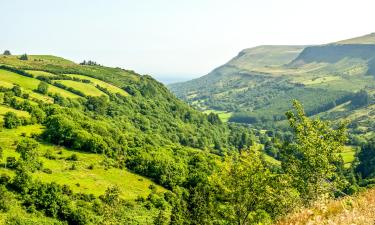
{"x":174,"y":41}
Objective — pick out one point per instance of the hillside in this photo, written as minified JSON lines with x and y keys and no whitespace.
{"x":105,"y":144}
{"x":259,"y":92}
{"x":366,"y":39}
{"x":358,"y":210}
{"x":87,"y":144}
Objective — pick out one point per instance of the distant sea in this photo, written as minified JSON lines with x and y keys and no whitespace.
{"x":173,"y":79}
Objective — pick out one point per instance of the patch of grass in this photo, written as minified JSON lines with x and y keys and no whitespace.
{"x":271,"y":160}
{"x":31,"y":83}
{"x":6,"y":84}
{"x":87,"y":89}
{"x":223,"y":115}
{"x":82,"y":179}
{"x":319,"y":80}
{"x":348,"y":155}
{"x":5,"y":109}
{"x":40,"y":73}
{"x":101,"y":83}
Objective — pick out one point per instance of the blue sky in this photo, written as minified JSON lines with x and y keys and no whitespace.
{"x":174,"y":39}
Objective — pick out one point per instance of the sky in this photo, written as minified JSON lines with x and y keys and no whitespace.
{"x":174,"y":40}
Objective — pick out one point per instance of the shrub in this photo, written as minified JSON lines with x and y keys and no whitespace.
{"x":42,"y":88}
{"x":11,"y":120}
{"x":23,"y":57}
{"x":73,"y":157}
{"x":11,"y":162}
{"x":47,"y":171}
{"x":5,"y":199}
{"x":7,"y":52}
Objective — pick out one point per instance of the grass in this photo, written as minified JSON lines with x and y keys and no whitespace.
{"x":40,"y":73}
{"x":223,"y":115}
{"x":31,"y":83}
{"x":5,"y":109}
{"x":359,"y":210}
{"x":81,"y":179}
{"x":271,"y":160}
{"x":88,"y":89}
{"x":101,"y":83}
{"x":320,"y":80}
{"x":348,"y":155}
{"x":6,"y":84}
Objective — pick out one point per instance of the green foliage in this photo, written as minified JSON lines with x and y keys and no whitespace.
{"x":17,"y":90}
{"x":5,"y":199}
{"x":7,"y":52}
{"x":111,"y":196}
{"x":147,"y":130}
{"x":1,"y":153}
{"x":247,"y":192}
{"x":24,"y":57}
{"x":360,"y":99}
{"x":311,"y":158}
{"x":28,"y":150}
{"x":366,"y":158}
{"x":11,"y":120}
{"x":42,"y":88}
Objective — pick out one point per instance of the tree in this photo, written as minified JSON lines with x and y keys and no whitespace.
{"x":11,"y":120}
{"x":161,"y":218}
{"x":17,"y":90}
{"x":213,"y":118}
{"x":247,"y":192}
{"x":24,"y":57}
{"x":366,"y":159}
{"x":5,"y":199}
{"x":42,"y":88}
{"x":311,"y":158}
{"x":1,"y":153}
{"x":360,"y":99}
{"x":111,"y":196}
{"x":7,"y":52}
{"x":29,"y":153}
{"x":99,"y":104}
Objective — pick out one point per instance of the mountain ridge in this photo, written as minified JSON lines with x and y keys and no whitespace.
{"x":244,"y":89}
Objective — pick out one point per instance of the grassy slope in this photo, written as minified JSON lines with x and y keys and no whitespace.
{"x":88,"y":89}
{"x":366,"y":39}
{"x":265,"y":55}
{"x":359,"y":210}
{"x":82,"y":179}
{"x":31,"y":83}
{"x":108,"y":86}
{"x":252,"y":82}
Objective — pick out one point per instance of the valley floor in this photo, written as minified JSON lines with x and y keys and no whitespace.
{"x":353,"y":210}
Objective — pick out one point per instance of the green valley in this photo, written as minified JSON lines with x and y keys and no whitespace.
{"x":257,"y":86}
{"x":90,"y":144}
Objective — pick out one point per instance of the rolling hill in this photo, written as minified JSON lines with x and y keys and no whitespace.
{"x":100,"y":145}
{"x":258,"y":85}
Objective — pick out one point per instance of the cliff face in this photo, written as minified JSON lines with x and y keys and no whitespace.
{"x":335,"y":53}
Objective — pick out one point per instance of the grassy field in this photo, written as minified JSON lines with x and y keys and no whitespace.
{"x":320,"y":80}
{"x":81,"y":178}
{"x":224,"y":116}
{"x":6,"y":84}
{"x":88,"y":89}
{"x":40,"y":73}
{"x":106,"y":85}
{"x":5,"y":109}
{"x":31,"y":83}
{"x":348,"y":155}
